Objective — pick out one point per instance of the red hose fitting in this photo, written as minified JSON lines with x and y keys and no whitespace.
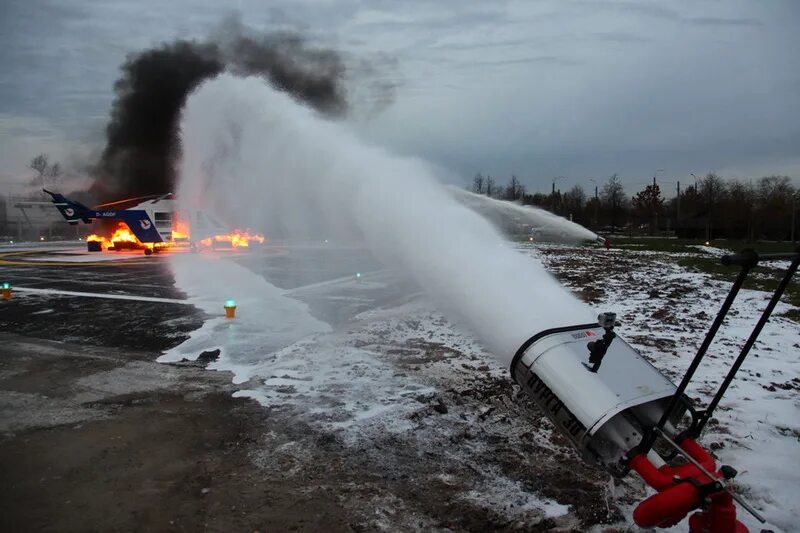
{"x":698,"y":453}
{"x":668,"y":507}
{"x":659,"y":479}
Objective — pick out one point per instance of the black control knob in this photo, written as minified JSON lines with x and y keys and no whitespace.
{"x":727,"y":471}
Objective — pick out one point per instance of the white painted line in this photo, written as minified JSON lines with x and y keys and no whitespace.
{"x":102,"y":295}
{"x":26,"y":278}
{"x":337,"y":281}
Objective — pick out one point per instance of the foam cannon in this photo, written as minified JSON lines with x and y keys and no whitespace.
{"x":617,"y":410}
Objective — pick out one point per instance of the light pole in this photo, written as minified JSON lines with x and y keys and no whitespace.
{"x":596,"y":200}
{"x":554,"y":183}
{"x":655,"y":174}
{"x":553,"y":192}
{"x":708,"y":207}
{"x":695,"y":182}
{"x":654,"y":227}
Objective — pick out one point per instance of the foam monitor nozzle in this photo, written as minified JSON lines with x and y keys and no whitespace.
{"x":601,"y":395}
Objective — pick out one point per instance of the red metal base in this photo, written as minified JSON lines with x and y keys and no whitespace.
{"x":719,"y":517}
{"x":681,"y":490}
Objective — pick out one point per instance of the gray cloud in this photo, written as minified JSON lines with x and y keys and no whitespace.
{"x":651,"y":10}
{"x":532,"y":60}
{"x":620,"y":37}
{"x":538,"y":89}
{"x":716,"y":21}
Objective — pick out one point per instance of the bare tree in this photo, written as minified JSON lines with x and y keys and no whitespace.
{"x":738,"y":210}
{"x":514,"y":190}
{"x":712,"y":192}
{"x":775,"y":189}
{"x":711,"y":189}
{"x":477,"y":183}
{"x":489,"y":186}
{"x":574,"y":199}
{"x":775,"y":195}
{"x":614,"y":197}
{"x":46,"y":173}
{"x":54,"y":173}
{"x":649,"y":202}
{"x":40,"y":165}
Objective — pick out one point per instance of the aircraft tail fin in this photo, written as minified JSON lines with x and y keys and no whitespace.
{"x":71,"y":210}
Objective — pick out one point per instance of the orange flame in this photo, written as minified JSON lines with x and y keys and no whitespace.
{"x":180,"y":232}
{"x":237,"y":239}
{"x":180,"y":229}
{"x":121,"y":234}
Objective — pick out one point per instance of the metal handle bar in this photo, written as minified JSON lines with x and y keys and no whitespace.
{"x":752,"y":258}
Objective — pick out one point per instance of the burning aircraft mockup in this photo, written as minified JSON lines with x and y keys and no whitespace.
{"x":150,"y":223}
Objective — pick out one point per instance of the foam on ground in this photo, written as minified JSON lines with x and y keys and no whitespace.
{"x":266,"y":320}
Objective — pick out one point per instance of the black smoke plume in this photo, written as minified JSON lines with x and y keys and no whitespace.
{"x":142,"y":136}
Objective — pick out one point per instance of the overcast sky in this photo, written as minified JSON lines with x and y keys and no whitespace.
{"x":537,"y":88}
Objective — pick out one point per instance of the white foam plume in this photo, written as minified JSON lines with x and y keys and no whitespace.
{"x":253,"y":155}
{"x":540,"y":223}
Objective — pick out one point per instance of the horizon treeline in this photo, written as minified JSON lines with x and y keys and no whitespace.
{"x":710,"y":207}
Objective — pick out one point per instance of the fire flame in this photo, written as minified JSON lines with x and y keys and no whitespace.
{"x":180,"y":229}
{"x":121,"y":234}
{"x":237,"y":239}
{"x":180,"y":232}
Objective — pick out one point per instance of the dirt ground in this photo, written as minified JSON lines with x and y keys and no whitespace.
{"x":107,"y":440}
{"x":97,"y":436}
{"x":166,"y":453}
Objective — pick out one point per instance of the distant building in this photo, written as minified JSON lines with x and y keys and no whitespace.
{"x":24,"y":219}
